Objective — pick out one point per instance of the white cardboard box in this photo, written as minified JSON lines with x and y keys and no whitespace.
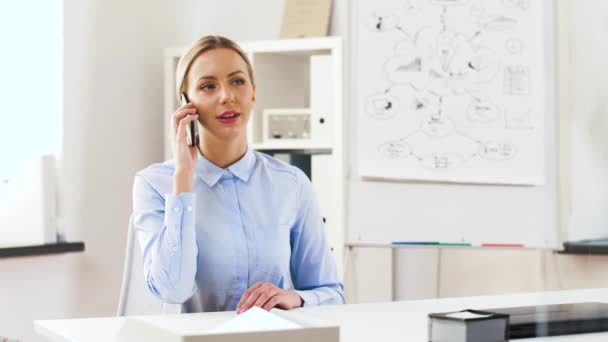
{"x":195,"y":328}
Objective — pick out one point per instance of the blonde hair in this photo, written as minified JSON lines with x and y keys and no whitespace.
{"x":198,"y":47}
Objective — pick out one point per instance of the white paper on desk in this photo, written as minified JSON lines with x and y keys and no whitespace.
{"x":255,"y":319}
{"x":466,"y":315}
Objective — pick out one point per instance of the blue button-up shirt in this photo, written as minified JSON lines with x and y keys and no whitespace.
{"x":255,"y":221}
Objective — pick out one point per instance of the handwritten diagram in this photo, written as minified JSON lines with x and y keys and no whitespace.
{"x":451,"y":90}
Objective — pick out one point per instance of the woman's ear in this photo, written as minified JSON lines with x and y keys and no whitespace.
{"x":253,"y":95}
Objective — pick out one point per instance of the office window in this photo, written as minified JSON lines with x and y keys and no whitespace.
{"x":31,"y":71}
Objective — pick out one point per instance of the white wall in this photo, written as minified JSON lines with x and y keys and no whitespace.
{"x":589,"y":113}
{"x":113,"y":110}
{"x":112,"y":128}
{"x":34,"y":288}
{"x":239,"y":20}
{"x":112,"y":124}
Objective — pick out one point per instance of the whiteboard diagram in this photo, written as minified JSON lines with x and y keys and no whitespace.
{"x":451,"y":90}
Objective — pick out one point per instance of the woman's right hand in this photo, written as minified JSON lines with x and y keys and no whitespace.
{"x":184,"y":155}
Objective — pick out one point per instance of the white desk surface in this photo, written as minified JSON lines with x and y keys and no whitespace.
{"x":405,"y":321}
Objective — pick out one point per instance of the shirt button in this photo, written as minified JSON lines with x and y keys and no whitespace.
{"x":176,"y":209}
{"x":189,"y":208}
{"x":174,"y":248}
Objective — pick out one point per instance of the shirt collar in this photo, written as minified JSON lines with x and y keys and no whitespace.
{"x":211,"y":173}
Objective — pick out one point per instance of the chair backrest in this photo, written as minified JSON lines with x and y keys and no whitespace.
{"x":135,"y":297}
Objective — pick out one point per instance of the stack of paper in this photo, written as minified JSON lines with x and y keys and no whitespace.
{"x":255,"y":319}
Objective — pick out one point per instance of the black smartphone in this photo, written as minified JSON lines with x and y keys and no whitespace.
{"x":193,"y":136}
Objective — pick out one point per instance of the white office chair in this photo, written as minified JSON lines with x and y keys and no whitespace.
{"x":135,"y":297}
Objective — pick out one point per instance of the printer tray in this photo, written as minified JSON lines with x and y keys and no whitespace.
{"x":596,"y":246}
{"x":553,"y":320}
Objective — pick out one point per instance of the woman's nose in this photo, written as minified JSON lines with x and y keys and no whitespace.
{"x":227,"y":95}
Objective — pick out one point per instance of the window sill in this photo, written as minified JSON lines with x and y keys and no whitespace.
{"x":54,"y":248}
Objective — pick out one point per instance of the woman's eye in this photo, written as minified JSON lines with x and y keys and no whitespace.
{"x":208,"y":86}
{"x":238,"y":81}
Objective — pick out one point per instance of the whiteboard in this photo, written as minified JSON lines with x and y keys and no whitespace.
{"x":451,"y":90}
{"x":395,"y":208}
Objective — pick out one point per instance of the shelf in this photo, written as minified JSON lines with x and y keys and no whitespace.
{"x":295,"y":148}
{"x":303,"y":46}
{"x":300,"y":46}
{"x":54,"y":248}
{"x":446,"y":246}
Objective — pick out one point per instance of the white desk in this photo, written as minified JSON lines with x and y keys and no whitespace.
{"x":397,"y":321}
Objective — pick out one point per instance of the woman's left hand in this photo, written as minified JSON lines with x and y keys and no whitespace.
{"x":268,"y":296}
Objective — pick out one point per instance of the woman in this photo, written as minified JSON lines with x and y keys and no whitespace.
{"x":223,"y":227}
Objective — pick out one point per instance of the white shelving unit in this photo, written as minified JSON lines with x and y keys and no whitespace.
{"x":296,"y":73}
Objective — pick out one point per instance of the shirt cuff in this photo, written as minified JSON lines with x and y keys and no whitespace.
{"x":179,"y":210}
{"x":309,"y":297}
{"x":176,"y":204}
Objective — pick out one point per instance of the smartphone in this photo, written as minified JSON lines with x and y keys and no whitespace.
{"x":193,"y":136}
